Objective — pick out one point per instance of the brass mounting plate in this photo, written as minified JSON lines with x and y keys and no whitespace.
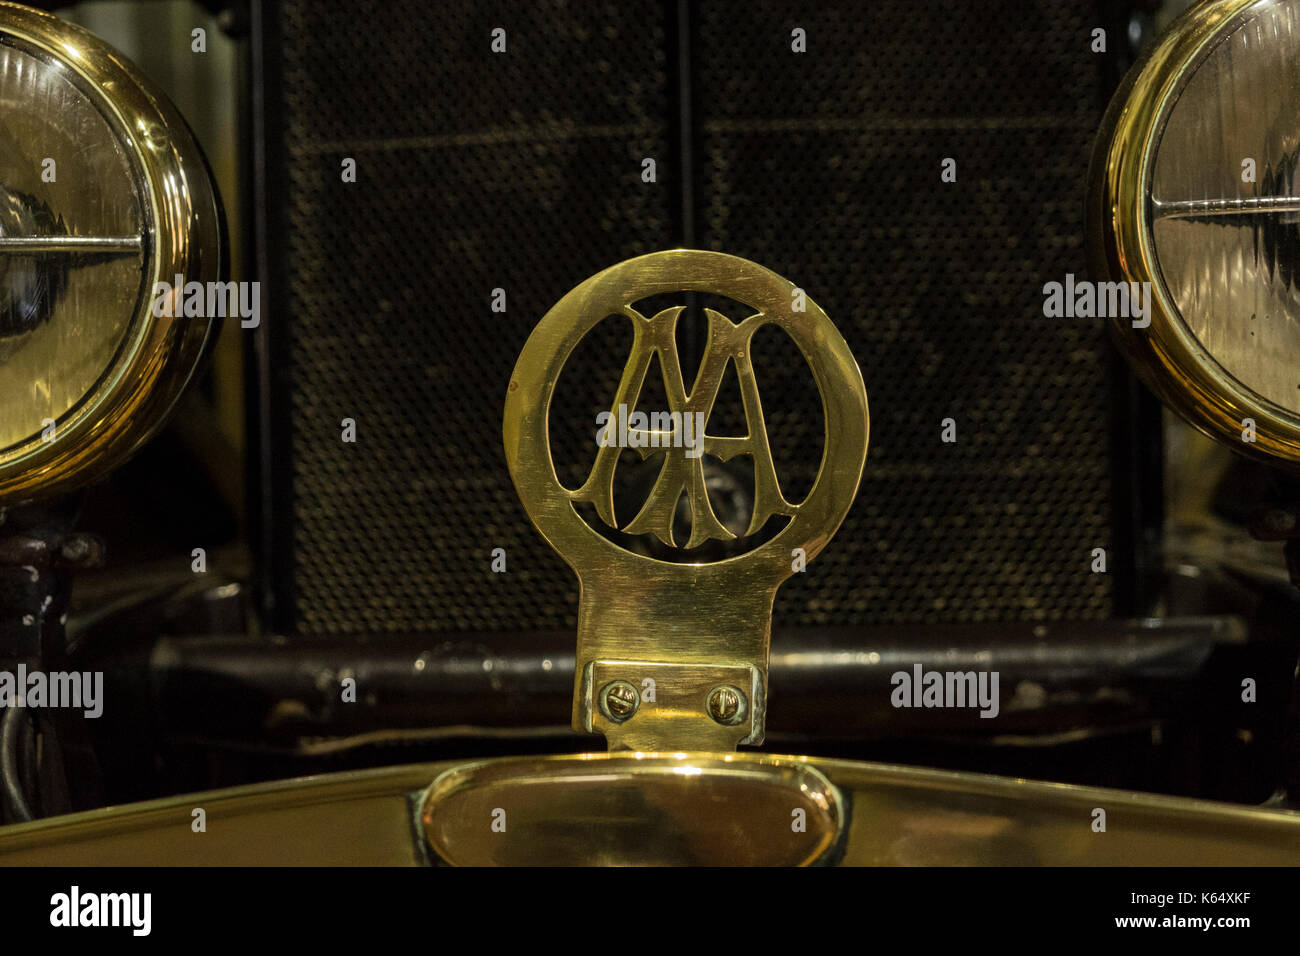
{"x":678,"y":709}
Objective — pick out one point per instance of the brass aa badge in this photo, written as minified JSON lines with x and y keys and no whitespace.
{"x":674,"y":656}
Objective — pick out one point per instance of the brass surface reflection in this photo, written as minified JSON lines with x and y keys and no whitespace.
{"x":644,"y":810}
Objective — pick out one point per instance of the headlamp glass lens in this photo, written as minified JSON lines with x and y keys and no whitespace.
{"x":1225,"y":202}
{"x":71,"y":244}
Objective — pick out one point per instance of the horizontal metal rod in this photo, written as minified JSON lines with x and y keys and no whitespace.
{"x":1198,"y":208}
{"x":50,"y":245}
{"x":832,"y":683}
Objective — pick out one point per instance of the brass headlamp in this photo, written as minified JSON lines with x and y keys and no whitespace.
{"x":103,"y":195}
{"x":1195,"y":194}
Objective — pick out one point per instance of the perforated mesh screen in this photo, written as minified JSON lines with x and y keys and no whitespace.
{"x":475,"y":171}
{"x":522,"y":171}
{"x":826,"y":168}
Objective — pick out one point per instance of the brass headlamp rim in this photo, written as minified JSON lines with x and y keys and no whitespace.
{"x":183,"y":235}
{"x":1166,"y":355}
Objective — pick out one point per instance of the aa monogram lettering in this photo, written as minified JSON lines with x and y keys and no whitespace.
{"x":683,"y":467}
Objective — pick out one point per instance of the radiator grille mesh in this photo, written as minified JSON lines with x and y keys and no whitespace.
{"x":522,"y":171}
